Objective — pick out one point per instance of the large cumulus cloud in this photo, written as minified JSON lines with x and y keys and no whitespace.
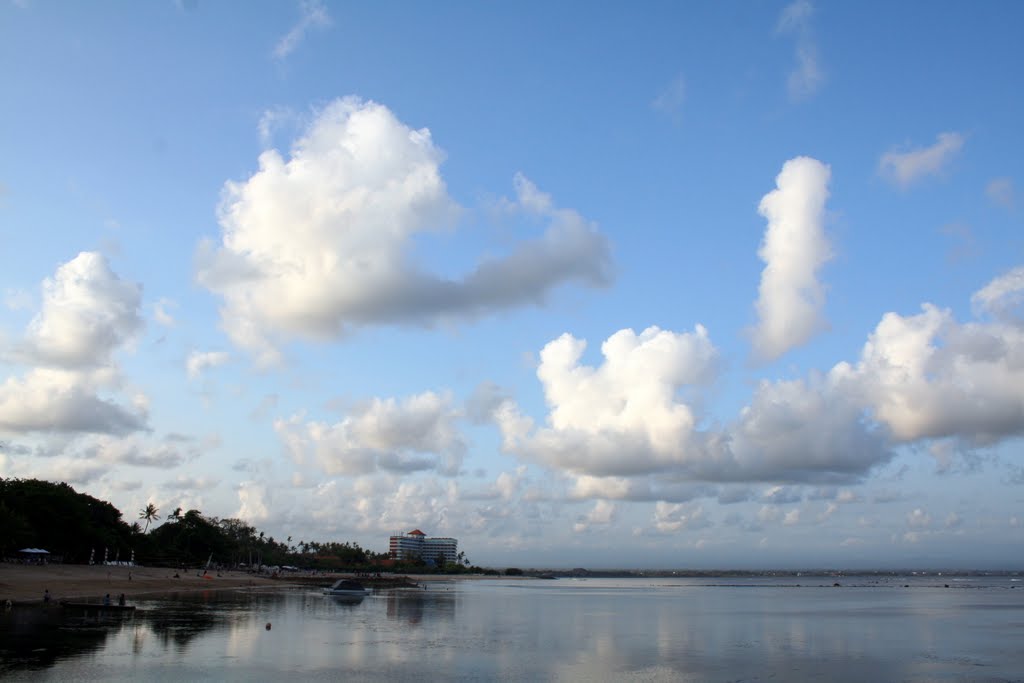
{"x":631,"y":428}
{"x":416,"y":433}
{"x":321,"y":241}
{"x":87,"y":315}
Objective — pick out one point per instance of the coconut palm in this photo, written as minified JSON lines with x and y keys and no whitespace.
{"x":149,"y":513}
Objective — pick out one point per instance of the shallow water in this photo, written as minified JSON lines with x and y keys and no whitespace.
{"x":564,"y":630}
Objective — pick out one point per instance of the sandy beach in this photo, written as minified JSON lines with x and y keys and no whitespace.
{"x":26,"y":583}
{"x":21,"y":583}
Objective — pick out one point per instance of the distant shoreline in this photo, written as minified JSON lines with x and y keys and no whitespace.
{"x":25,"y":584}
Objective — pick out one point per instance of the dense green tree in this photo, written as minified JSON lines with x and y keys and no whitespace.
{"x":67,"y":523}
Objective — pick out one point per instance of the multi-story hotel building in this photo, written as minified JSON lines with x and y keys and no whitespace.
{"x":416,"y":544}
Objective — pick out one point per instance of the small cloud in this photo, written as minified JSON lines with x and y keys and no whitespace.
{"x":266,"y":406}
{"x":670,"y":100}
{"x":602,"y":514}
{"x":965,"y":246}
{"x":18,"y":300}
{"x":160,"y":313}
{"x":1000,"y":191}
{"x":903,"y":168}
{"x":200,"y":360}
{"x":184,"y":483}
{"x":270,"y":121}
{"x":313,"y":15}
{"x":807,"y":76}
{"x":919,"y":519}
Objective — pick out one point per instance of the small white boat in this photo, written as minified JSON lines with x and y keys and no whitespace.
{"x":345,"y":587}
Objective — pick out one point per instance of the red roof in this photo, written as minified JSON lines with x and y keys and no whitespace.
{"x":416,"y":532}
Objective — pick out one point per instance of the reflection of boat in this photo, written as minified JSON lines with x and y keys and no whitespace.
{"x":97,"y":607}
{"x":345,"y":587}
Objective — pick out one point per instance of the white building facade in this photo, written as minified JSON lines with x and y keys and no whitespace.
{"x":417,"y":544}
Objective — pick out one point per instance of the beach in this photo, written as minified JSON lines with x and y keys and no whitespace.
{"x":23,"y":583}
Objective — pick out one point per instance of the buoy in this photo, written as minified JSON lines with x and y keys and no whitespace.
{"x":268,"y":625}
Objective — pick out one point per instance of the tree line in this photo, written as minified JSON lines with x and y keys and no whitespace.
{"x":78,"y":528}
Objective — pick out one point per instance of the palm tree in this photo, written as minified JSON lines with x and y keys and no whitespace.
{"x":149,"y":514}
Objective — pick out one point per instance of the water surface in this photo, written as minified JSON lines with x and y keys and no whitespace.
{"x":564,"y":630}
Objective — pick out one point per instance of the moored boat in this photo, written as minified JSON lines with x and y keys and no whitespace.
{"x":345,"y":587}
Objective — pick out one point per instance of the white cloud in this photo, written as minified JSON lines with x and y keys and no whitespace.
{"x":313,"y":15}
{"x":1001,"y":191}
{"x":320,"y":243}
{"x":17,"y":299}
{"x":919,"y":519}
{"x":807,"y":77}
{"x":802,"y":430}
{"x":1003,"y":297}
{"x":254,"y":499}
{"x":616,"y":423}
{"x":795,"y":247}
{"x":654,"y":487}
{"x":161,"y":313}
{"x":55,"y":400}
{"x":188,"y":483}
{"x":631,"y":428}
{"x":926,"y":376}
{"x":903,"y":168}
{"x":602,"y":514}
{"x":198,"y":361}
{"x":672,"y":518}
{"x":670,"y":100}
{"x":87,"y":313}
{"x":418,"y":433}
{"x":619,"y":418}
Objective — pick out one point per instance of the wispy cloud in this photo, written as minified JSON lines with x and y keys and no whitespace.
{"x":807,"y":76}
{"x":1000,"y":191}
{"x":670,"y":100}
{"x":314,"y":15}
{"x":198,"y":361}
{"x":904,"y":168}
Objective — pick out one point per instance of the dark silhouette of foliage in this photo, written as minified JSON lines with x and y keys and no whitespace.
{"x":57,"y":518}
{"x":73,"y":525}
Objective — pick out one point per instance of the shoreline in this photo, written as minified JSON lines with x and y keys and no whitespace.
{"x":26,"y":584}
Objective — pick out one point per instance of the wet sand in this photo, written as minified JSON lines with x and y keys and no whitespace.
{"x":26,"y":583}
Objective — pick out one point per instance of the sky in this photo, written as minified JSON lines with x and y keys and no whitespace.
{"x":730,"y":284}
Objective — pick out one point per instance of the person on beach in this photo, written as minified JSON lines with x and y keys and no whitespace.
{"x":120,"y":600}
{"x":46,"y":595}
{"x":106,"y":600}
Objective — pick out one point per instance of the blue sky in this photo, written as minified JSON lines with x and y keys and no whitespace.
{"x":720,"y":284}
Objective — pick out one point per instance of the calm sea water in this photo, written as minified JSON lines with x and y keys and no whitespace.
{"x":563,"y":630}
